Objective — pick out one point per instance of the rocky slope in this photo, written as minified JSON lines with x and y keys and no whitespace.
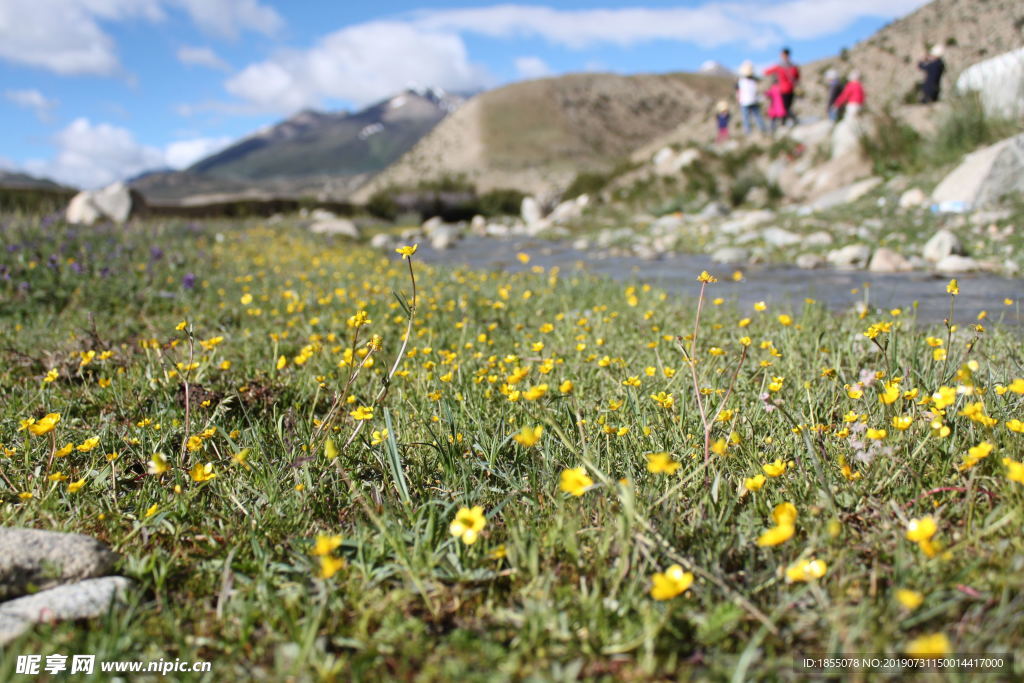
{"x":535,"y":136}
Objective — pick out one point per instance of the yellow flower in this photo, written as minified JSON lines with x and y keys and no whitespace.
{"x":523,"y":257}
{"x":909,"y":598}
{"x":944,"y":397}
{"x":565,"y":387}
{"x":902,"y":422}
{"x":975,"y":454}
{"x":281,"y":362}
{"x":43,"y":425}
{"x":51,"y":375}
{"x":706,"y":277}
{"x":1014,"y":470}
{"x":921,"y":529}
{"x":468,"y":524}
{"x":890,"y":394}
{"x":853,"y":392}
{"x":664,"y":400}
{"x":152,"y":510}
{"x":754,"y":483}
{"x":806,"y":570}
{"x":784,"y":513}
{"x":953,"y":287}
{"x":201,"y":472}
{"x":760,"y":306}
{"x":329,"y":566}
{"x":933,"y":645}
{"x":74,"y":486}
{"x":876,"y":434}
{"x":775,"y":469}
{"x":1017,"y":386}
{"x":88,"y":444}
{"x":407,"y":251}
{"x":362,"y":413}
{"x":58,"y":476}
{"x":776,"y":535}
{"x":661,"y":463}
{"x":575,"y":481}
{"x":377,"y":438}
{"x":529,"y":436}
{"x":674,"y":581}
{"x":61,"y":452}
{"x":158,"y":464}
{"x":194,"y":443}
{"x":1015,"y":425}
{"x":325,"y":544}
{"x":785,"y":320}
{"x":246,"y":299}
{"x":536,"y":392}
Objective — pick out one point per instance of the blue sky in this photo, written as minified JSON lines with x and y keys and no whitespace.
{"x":96,"y":90}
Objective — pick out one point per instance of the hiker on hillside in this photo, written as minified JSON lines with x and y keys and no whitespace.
{"x":776,"y":104}
{"x":835,"y":86}
{"x":852,"y":96}
{"x":788,"y":74}
{"x":722,"y":117}
{"x":748,"y":97}
{"x":933,"y":68}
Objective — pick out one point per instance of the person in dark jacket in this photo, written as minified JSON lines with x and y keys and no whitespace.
{"x":835,"y":86}
{"x":933,"y":68}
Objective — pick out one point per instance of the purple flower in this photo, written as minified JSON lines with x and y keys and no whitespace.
{"x":189,"y":281}
{"x":156,"y":253}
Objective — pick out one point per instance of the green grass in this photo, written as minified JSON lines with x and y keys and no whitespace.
{"x":223,"y":569}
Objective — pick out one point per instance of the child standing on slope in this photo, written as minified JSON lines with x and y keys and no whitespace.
{"x":722,"y":119}
{"x":748,"y":97}
{"x":776,"y":104}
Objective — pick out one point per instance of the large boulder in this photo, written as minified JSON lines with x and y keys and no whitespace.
{"x":885,"y":260}
{"x":115,"y":202}
{"x":86,"y":599}
{"x":833,"y":175}
{"x":986,"y":176}
{"x":530,"y":211}
{"x":846,"y":194}
{"x":444,"y":236}
{"x":335,"y":226}
{"x":999,"y":83}
{"x":846,"y":135}
{"x":851,"y":257}
{"x":667,"y":161}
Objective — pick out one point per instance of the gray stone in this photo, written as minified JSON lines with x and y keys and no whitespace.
{"x":730,"y":255}
{"x":846,"y":194}
{"x":851,"y":257}
{"x":380,"y":241}
{"x":569,"y":210}
{"x":444,"y":237}
{"x":985,"y":177}
{"x":885,"y":260}
{"x":714,"y":209}
{"x":953,"y":264}
{"x":478,"y":225}
{"x":809,"y":261}
{"x":322,"y":215}
{"x":83,"y":600}
{"x":428,"y":225}
{"x":778,"y":237}
{"x":846,"y":135}
{"x":942,"y":244}
{"x":335,"y":226}
{"x":669,"y":162}
{"x":33,"y":559}
{"x":818,"y":238}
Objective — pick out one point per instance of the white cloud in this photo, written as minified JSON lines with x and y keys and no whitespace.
{"x":66,"y":36}
{"x":361,"y":64}
{"x":93,"y":155}
{"x":201,"y":56}
{"x":184,"y":153}
{"x":229,"y":17}
{"x":532,"y":67}
{"x":807,"y":19}
{"x":34,"y":100}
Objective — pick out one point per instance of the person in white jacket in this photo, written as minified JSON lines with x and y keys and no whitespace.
{"x":749,"y":97}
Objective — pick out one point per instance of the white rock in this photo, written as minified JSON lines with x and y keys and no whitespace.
{"x":809,"y":261}
{"x":83,"y":600}
{"x":380,"y":241}
{"x":444,"y":237}
{"x":846,"y":194}
{"x":846,"y":135}
{"x":322,"y":215}
{"x":957,"y":264}
{"x":999,"y":82}
{"x":478,"y":225}
{"x":818,"y":238}
{"x":114,"y":201}
{"x":669,"y":162}
{"x":984,"y":177}
{"x":81,"y":210}
{"x":337,"y":226}
{"x":915,"y":196}
{"x":779,"y":237}
{"x":851,"y":257}
{"x":885,"y":260}
{"x":428,"y":225}
{"x":730,"y":255}
{"x":530,"y":211}
{"x":942,"y":244}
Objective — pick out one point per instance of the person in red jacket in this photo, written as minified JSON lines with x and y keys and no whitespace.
{"x":788,"y":74}
{"x":852,"y":97}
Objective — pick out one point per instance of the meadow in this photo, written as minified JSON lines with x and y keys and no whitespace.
{"x":319,"y":461}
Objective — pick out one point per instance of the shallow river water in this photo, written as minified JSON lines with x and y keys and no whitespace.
{"x":771,"y":283}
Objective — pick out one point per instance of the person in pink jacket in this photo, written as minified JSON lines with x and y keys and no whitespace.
{"x":776,"y":104}
{"x":852,"y":96}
